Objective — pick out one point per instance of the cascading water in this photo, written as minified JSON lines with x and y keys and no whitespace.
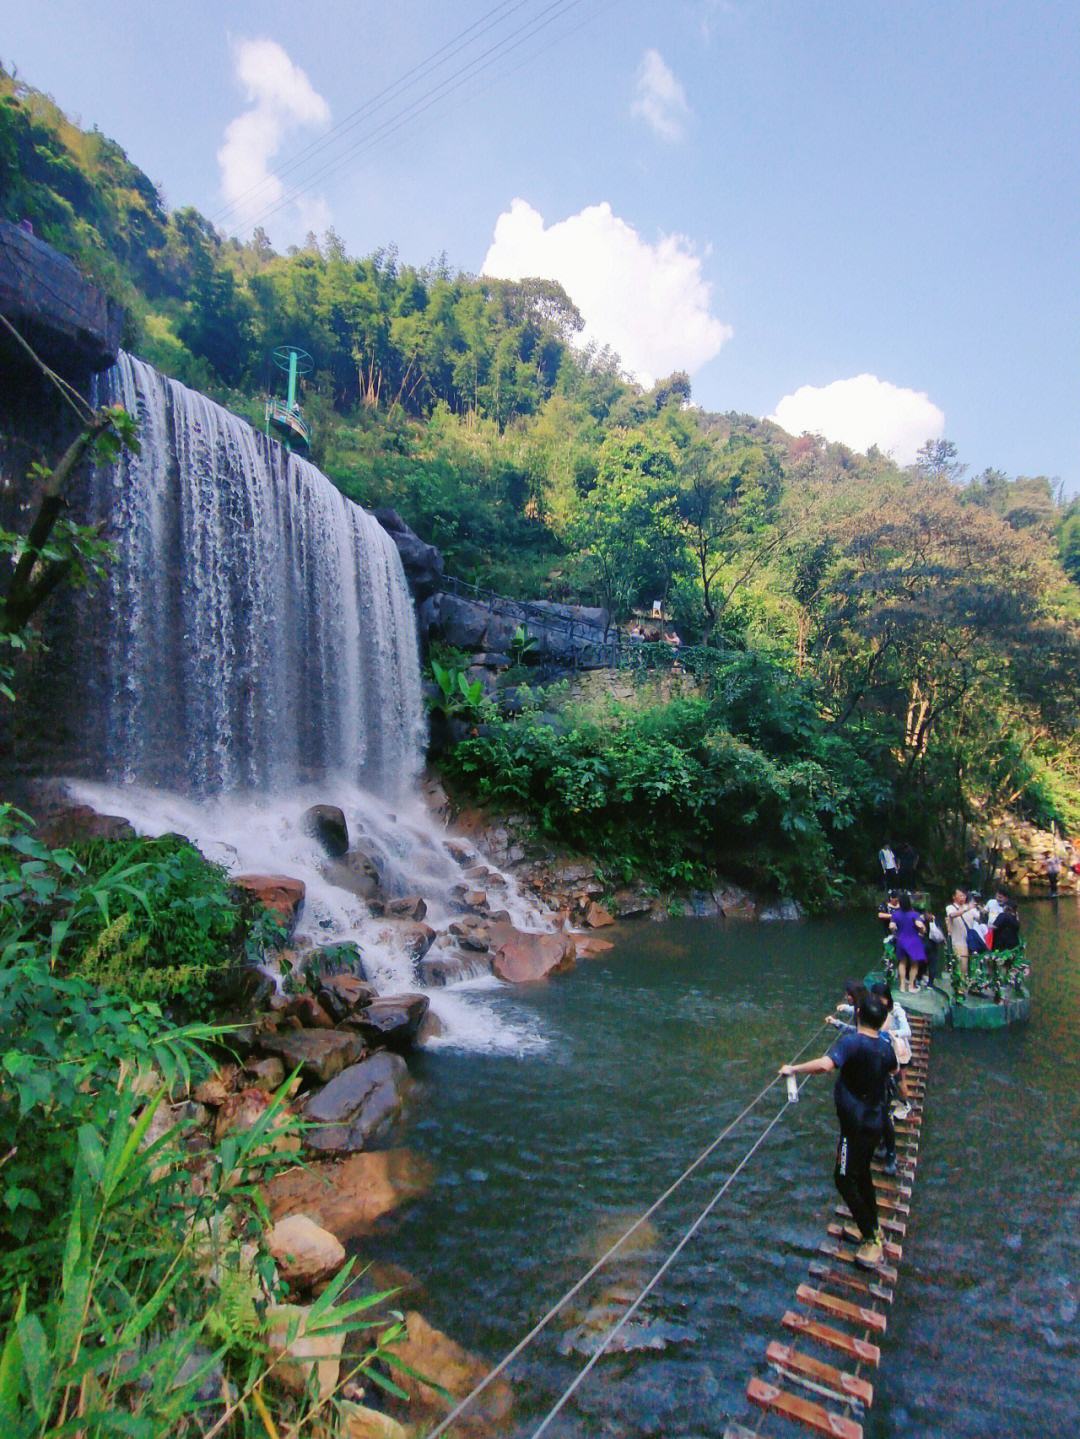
{"x":259,"y":631}
{"x":253,"y":651}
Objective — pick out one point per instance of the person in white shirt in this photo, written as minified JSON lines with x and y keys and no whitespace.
{"x":958,"y":916}
{"x":995,"y":906}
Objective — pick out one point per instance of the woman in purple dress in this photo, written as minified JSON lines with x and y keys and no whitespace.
{"x":909,"y":927}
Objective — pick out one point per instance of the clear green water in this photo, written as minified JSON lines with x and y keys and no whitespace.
{"x":543,"y":1158}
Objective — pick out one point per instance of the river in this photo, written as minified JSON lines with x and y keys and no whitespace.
{"x":641,"y":1057}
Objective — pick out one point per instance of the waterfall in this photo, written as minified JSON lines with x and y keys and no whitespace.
{"x":255,"y":629}
{"x":252,"y":650}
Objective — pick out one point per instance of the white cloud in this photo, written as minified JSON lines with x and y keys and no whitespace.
{"x":861,"y":412}
{"x":660,"y":100}
{"x":650,"y":303}
{"x":280,"y":98}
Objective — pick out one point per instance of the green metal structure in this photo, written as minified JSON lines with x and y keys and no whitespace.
{"x":284,"y":418}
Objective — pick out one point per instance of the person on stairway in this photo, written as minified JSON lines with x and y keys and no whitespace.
{"x":863,"y":1064}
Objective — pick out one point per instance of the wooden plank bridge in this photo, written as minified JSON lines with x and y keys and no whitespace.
{"x":842,"y":1311}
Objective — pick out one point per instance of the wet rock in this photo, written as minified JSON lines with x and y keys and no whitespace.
{"x":348,"y":1197}
{"x":427,"y":1351}
{"x":631,"y":904}
{"x":266,"y":1074}
{"x":431,"y":1028}
{"x":596,"y":917}
{"x":320,"y":1053}
{"x":475,"y":899}
{"x":327,"y":824}
{"x":588,"y":946}
{"x":356,"y":872}
{"x":521,"y":957}
{"x":358,"y":1106}
{"x":460,"y":851}
{"x":334,"y":959}
{"x":784,"y":909}
{"x":77,"y":823}
{"x":410,"y":907}
{"x":279,"y":893}
{"x":341,"y":994}
{"x":299,"y":1355}
{"x":307,"y":1009}
{"x":422,"y":563}
{"x":437,"y":971}
{"x":392,"y":1019}
{"x":304,"y":1252}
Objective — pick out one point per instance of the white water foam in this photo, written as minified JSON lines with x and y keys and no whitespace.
{"x":260,"y":834}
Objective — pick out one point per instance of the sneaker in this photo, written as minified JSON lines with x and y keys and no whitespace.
{"x":901,"y":1111}
{"x":870,"y":1252}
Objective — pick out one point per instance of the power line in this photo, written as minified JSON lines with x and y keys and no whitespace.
{"x":554,"y":11}
{"x":542,"y":1323}
{"x":433,"y":61}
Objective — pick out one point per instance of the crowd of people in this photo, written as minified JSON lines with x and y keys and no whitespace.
{"x":972,"y":925}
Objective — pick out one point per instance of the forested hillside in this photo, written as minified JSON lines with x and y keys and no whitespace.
{"x":895,"y":649}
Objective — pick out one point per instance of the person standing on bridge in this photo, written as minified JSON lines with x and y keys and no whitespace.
{"x":863,"y":1067}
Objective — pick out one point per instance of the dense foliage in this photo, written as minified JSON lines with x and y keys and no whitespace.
{"x":929,"y":617}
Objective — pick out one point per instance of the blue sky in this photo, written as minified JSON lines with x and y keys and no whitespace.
{"x":777,"y":194}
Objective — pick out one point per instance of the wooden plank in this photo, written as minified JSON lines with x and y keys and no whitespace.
{"x":841,"y":1308}
{"x":894,"y":1226}
{"x":775,"y":1400}
{"x":893,"y":1252}
{"x":848,"y":1344}
{"x":845,"y":1386}
{"x":843,"y":1255}
{"x":853,"y":1279}
{"x":891,"y":1188}
{"x":890,"y":1206}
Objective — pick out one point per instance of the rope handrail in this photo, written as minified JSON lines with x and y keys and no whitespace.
{"x":543,"y":1322}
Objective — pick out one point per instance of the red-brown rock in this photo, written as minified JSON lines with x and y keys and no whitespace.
{"x":280,"y":893}
{"x":588,"y":946}
{"x":347,"y":1198}
{"x":596,"y":916}
{"x":521,"y":957}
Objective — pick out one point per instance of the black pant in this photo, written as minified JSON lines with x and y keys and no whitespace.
{"x":854,"y":1179}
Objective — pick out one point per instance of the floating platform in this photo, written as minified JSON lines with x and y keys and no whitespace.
{"x":820,"y":1375}
{"x":941,"y":1007}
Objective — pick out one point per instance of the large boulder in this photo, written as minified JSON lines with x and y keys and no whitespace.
{"x":358,"y":1106}
{"x":304,"y":1252}
{"x":408,"y":907}
{"x":349,"y":1197}
{"x":392,"y":1019}
{"x":422,"y":563}
{"x":521,"y":957}
{"x":461,"y":623}
{"x":320,"y":1053}
{"x":425,"y":1351}
{"x":279,"y":893}
{"x":327,"y":824}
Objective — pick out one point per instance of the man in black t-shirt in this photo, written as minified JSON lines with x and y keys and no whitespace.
{"x":863,"y":1066}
